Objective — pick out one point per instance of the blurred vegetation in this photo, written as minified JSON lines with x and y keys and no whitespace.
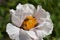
{"x":53,"y":6}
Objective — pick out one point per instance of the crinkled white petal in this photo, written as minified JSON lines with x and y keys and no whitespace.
{"x":21,"y":12}
{"x":45,"y":26}
{"x":16,"y":33}
{"x":41,"y":14}
{"x":12,"y":11}
{"x":12,"y":31}
{"x":32,"y":35}
{"x":25,"y":9}
{"x":17,"y":20}
{"x":23,"y":35}
{"x":19,"y":6}
{"x":44,"y":29}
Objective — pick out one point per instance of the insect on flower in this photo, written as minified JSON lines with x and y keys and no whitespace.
{"x":29,"y":23}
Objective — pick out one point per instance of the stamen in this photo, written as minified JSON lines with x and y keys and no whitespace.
{"x":29,"y":23}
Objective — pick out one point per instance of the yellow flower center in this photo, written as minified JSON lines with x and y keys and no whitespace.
{"x":29,"y":23}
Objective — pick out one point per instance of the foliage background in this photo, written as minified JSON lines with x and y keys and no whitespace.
{"x":53,"y":6}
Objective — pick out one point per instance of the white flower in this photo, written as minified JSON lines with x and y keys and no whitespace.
{"x":44,"y":28}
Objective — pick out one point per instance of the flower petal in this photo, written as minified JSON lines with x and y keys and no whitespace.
{"x":27,"y":9}
{"x":21,"y":12}
{"x":19,"y":6}
{"x":12,"y":11}
{"x":41,"y":14}
{"x":12,"y":31}
{"x":30,"y":8}
{"x":32,"y":35}
{"x":24,"y":36}
{"x":45,"y":26}
{"x":17,"y":20}
{"x":44,"y":29}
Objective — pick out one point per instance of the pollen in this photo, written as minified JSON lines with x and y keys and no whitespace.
{"x":29,"y":23}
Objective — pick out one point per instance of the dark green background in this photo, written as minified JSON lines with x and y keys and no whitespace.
{"x":52,"y":6}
